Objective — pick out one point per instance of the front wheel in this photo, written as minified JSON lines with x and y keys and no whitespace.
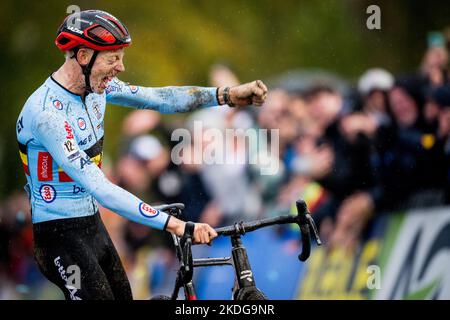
{"x":251,"y":294}
{"x":161,"y":297}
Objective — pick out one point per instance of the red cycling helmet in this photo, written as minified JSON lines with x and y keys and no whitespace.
{"x":94,"y":29}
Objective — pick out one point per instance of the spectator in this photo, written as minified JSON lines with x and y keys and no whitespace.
{"x":408,"y":158}
{"x":373,"y":87}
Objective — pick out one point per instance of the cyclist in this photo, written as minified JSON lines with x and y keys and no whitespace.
{"x":60,"y":134}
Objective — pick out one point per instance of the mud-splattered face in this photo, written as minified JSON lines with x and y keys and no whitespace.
{"x":107,"y":65}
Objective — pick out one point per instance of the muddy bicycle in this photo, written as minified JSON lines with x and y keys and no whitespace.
{"x":244,"y":286}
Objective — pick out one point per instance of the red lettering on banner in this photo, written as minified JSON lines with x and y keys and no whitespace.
{"x":44,"y":167}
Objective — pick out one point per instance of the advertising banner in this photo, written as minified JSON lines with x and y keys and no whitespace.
{"x":406,"y":256}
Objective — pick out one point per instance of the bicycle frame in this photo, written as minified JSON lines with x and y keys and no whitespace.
{"x":239,"y":261}
{"x":244,"y":280}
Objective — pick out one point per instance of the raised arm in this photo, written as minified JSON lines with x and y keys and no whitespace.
{"x":184,"y":99}
{"x":164,"y":100}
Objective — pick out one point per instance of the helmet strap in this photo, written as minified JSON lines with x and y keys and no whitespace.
{"x":86,"y":69}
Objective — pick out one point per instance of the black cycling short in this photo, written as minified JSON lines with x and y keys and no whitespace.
{"x":65,"y":246}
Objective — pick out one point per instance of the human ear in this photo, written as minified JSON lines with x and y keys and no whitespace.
{"x":84,"y":55}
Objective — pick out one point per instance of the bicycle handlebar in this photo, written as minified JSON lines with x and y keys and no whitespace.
{"x":303,"y":220}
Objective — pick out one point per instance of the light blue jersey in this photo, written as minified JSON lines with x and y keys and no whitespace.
{"x":61,"y":143}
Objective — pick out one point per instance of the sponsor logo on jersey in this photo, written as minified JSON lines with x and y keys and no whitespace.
{"x":20,"y":125}
{"x":97,"y":112}
{"x":111,"y":88}
{"x":48,"y":193}
{"x":147,"y":211}
{"x":57,"y":104}
{"x":69,"y":146}
{"x":85,"y":162}
{"x":68,"y":130}
{"x":44,"y":167}
{"x":134,"y":89}
{"x":77,"y":190}
{"x":85,"y":140}
{"x":74,"y":156}
{"x":81,"y":124}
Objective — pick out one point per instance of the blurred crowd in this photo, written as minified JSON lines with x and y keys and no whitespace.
{"x":379,"y":146}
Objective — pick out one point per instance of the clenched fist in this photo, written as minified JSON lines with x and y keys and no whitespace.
{"x":243,"y":95}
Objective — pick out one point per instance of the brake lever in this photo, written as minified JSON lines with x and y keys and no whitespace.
{"x":313,"y":226}
{"x":186,"y":245}
{"x":186,"y":255}
{"x":306,"y":223}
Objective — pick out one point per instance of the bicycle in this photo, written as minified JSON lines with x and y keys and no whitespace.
{"x":244,"y":287}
